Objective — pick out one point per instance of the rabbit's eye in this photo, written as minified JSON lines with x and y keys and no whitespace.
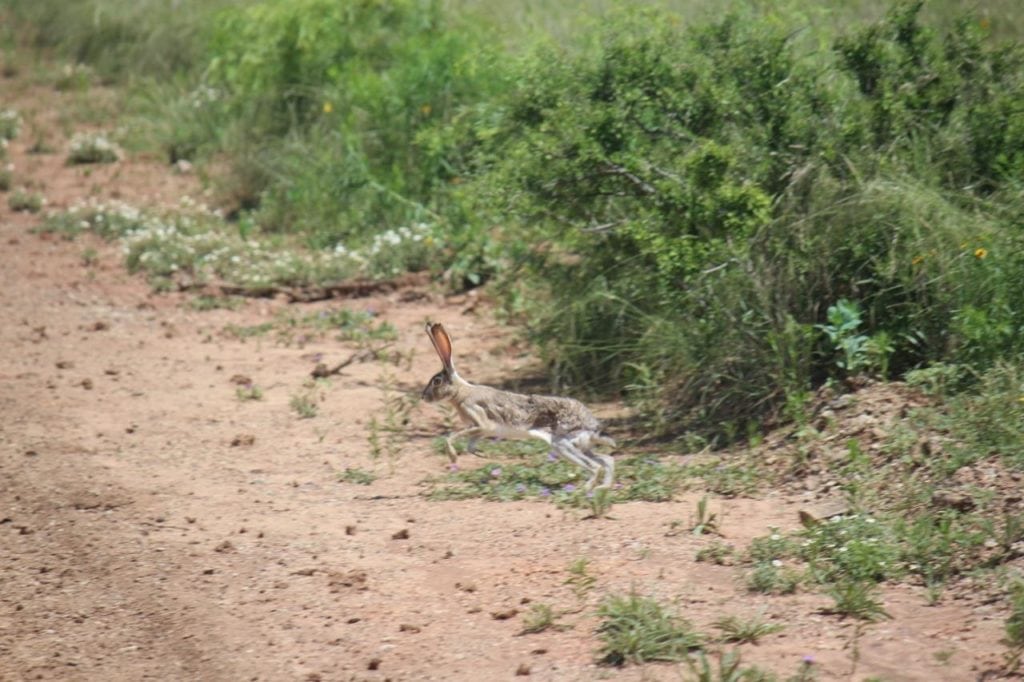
{"x":437,"y":381}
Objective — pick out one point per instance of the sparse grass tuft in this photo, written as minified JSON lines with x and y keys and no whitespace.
{"x":857,"y":599}
{"x":745,"y":630}
{"x":92,"y":148}
{"x":25,"y":201}
{"x":539,"y":618}
{"x":637,"y":629}
{"x":357,"y":476}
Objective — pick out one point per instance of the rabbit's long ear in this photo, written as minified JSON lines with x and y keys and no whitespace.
{"x":442,"y":344}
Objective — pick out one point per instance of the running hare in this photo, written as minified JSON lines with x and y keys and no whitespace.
{"x":565,"y":424}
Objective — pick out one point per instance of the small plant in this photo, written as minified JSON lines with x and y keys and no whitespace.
{"x":6,"y":178}
{"x":773,"y":578}
{"x":599,"y":502}
{"x":90,"y":257}
{"x":249,"y":392}
{"x":856,"y":598}
{"x":73,"y":77}
{"x":729,"y":669}
{"x":580,"y":579}
{"x":745,"y":631}
{"x":25,"y":201}
{"x":637,"y":629}
{"x":844,"y":320}
{"x":720,"y":553}
{"x":1014,"y":628}
{"x":304,"y":405}
{"x":10,"y":124}
{"x":204,"y":303}
{"x":357,"y":476}
{"x":705,"y":523}
{"x":249,"y":331}
{"x":92,"y":148}
{"x":539,"y":618}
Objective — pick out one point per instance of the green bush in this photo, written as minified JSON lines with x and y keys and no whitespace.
{"x":700,"y":197}
{"x":343,"y":104}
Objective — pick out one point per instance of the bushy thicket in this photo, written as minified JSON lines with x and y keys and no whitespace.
{"x":334,"y":110}
{"x":700,"y":199}
{"x":710,"y":219}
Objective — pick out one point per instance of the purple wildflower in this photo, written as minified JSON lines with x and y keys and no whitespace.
{"x":544,"y":491}
{"x":520,"y":488}
{"x":495,"y":472}
{"x":552,"y":457}
{"x":453,"y":467}
{"x":808,"y":659}
{"x":569,"y":487}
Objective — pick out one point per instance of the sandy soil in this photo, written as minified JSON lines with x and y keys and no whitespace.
{"x":154,"y":526}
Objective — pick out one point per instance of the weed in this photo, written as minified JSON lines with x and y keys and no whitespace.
{"x":1014,"y":627}
{"x":357,"y":476}
{"x":23,"y":200}
{"x":389,"y":433}
{"x":243,"y":332}
{"x":773,"y":578}
{"x":745,"y":630}
{"x":6,"y":178}
{"x":92,"y":148}
{"x":249,"y":392}
{"x":539,"y":618}
{"x":89,"y":257}
{"x":718,"y":552}
{"x":637,"y":629}
{"x":580,"y":579}
{"x":204,"y":303}
{"x":10,"y":124}
{"x":304,"y":405}
{"x":857,"y":599}
{"x":729,"y":669}
{"x":705,"y":522}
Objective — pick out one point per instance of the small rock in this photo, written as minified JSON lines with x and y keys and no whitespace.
{"x":87,"y":384}
{"x":400,"y":534}
{"x":523,"y":670}
{"x":406,"y":627}
{"x":98,"y":326}
{"x":951,"y":499}
{"x":65,"y":364}
{"x":243,"y":439}
{"x":350,"y":529}
{"x":504,"y":614}
{"x":374,"y":664}
{"x":241,"y":380}
{"x":224,"y":546}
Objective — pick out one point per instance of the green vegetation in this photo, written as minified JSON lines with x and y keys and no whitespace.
{"x":636,"y":629}
{"x":710,"y":217}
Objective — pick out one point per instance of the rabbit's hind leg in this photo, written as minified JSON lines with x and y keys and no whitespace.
{"x":583,"y":443}
{"x":566,"y":449}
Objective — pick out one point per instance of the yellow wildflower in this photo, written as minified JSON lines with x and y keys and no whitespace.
{"x":980,"y":252}
{"x":917,"y":260}
{"x":328,"y":107}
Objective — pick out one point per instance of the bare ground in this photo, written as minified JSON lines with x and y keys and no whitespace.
{"x":154,"y":526}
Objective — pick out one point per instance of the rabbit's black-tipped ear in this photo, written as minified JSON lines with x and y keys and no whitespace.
{"x":442,"y":344}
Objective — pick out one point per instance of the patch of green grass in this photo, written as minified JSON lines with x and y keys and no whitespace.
{"x":243,"y":332}
{"x":773,"y":578}
{"x":857,"y":599}
{"x":204,"y":303}
{"x":88,"y":148}
{"x":10,"y":124}
{"x":729,"y":668}
{"x":718,"y":552}
{"x":25,"y":201}
{"x":249,"y":392}
{"x":636,"y":629}
{"x":357,"y":476}
{"x":304,"y":405}
{"x":539,"y":618}
{"x":6,"y":179}
{"x":745,"y":630}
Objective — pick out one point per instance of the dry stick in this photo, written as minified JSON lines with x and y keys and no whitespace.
{"x":322,"y":371}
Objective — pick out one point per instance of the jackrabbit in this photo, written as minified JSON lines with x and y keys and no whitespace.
{"x":565,"y":424}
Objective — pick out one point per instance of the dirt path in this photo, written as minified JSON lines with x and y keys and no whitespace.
{"x":154,"y":526}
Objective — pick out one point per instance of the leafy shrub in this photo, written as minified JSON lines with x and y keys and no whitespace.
{"x":700,"y":197}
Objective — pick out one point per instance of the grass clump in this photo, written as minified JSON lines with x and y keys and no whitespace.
{"x":10,"y":124}
{"x":88,"y":148}
{"x":745,"y":630}
{"x":357,"y":476}
{"x":23,"y":200}
{"x":637,"y":629}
